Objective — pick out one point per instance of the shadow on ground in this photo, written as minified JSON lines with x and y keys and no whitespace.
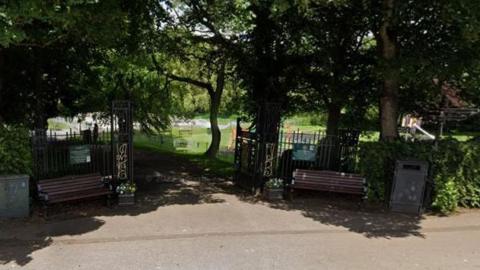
{"x":165,"y":180}
{"x":18,"y":250}
{"x":162,"y":180}
{"x":370,"y":220}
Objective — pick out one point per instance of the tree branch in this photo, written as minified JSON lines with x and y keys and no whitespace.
{"x":203,"y":18}
{"x":198,"y":83}
{"x":191,"y":81}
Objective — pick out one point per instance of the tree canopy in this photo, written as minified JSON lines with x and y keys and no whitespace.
{"x":179,"y":57}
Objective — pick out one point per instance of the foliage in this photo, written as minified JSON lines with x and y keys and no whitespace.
{"x":428,"y":34}
{"x":304,"y":119}
{"x":69,"y":57}
{"x":134,"y":77}
{"x":454,"y":170}
{"x":15,"y":151}
{"x":126,"y":188}
{"x":447,"y":197}
{"x":264,"y":62}
{"x":48,"y":54}
{"x":55,"y":21}
{"x":338,"y":60}
{"x":274,"y":183}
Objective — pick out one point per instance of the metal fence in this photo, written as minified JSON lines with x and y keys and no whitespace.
{"x":299,"y":150}
{"x":255,"y":162}
{"x":245,"y":159}
{"x":57,"y":154}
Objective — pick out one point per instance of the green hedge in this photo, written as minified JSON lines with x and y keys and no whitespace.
{"x":15,"y":151}
{"x":455,"y":170}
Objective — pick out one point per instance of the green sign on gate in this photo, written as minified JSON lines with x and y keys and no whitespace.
{"x":79,"y":154}
{"x":305,"y":152}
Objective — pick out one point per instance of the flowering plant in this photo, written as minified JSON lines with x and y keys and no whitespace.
{"x":126,"y":188}
{"x":274,"y":183}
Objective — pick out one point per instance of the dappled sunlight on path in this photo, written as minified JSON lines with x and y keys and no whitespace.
{"x":175,"y":200}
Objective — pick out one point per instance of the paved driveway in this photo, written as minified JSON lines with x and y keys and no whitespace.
{"x":231,"y":233}
{"x":186,"y":221}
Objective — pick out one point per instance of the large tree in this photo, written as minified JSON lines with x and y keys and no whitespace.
{"x":47,"y":54}
{"x":387,"y":42}
{"x":267,"y":66}
{"x":337,"y":59}
{"x":195,"y":47}
{"x":64,"y":58}
{"x":419,"y":43}
{"x":211,"y":76}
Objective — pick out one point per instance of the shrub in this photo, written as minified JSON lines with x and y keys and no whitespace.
{"x":454,"y":169}
{"x":274,"y":183}
{"x":15,"y":151}
{"x":447,"y":196}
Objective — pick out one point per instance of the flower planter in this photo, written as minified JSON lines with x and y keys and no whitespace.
{"x":273,"y":194}
{"x":126,"y":199}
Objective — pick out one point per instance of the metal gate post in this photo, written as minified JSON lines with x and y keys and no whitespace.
{"x":122,"y":140}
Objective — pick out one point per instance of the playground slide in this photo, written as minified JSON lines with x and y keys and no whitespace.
{"x":424,"y":131}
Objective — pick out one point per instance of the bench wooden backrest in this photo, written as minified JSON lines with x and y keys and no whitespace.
{"x":71,"y":188}
{"x":329,"y":181}
{"x":301,"y":173}
{"x":70,"y":183}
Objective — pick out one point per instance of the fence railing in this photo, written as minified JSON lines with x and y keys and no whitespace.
{"x":57,"y":154}
{"x":317,"y":150}
{"x":256,"y":160}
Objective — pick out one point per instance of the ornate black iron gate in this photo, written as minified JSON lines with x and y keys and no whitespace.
{"x":255,"y":150}
{"x":262,"y":156}
{"x":122,"y":140}
{"x":245,"y":158}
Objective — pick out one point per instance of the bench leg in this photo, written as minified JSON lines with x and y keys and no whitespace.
{"x":290,"y":194}
{"x":109,"y":201}
{"x":362,"y":201}
{"x":45,"y":210}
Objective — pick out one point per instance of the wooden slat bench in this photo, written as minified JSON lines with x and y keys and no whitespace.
{"x":70,"y":188}
{"x":329,"y":181}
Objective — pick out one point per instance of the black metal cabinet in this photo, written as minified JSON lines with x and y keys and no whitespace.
{"x":14,"y":196}
{"x":408,"y":187}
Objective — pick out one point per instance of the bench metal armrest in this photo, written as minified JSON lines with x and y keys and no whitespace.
{"x":43,"y":195}
{"x":108,"y":182}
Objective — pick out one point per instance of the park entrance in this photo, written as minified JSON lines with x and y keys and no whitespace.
{"x":106,"y":151}
{"x":294,"y":150}
{"x":261,"y":155}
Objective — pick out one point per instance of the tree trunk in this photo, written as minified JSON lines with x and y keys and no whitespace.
{"x":391,"y":78}
{"x":333,"y":120}
{"x":215,"y":98}
{"x":40,"y":120}
{"x":216,"y":134}
{"x":389,"y":109}
{"x":1,"y":83}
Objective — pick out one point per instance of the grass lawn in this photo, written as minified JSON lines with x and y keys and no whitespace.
{"x":221,"y":166}
{"x":54,"y":125}
{"x":221,"y":120}
{"x":195,"y":140}
{"x":463,"y":136}
{"x":192,"y":143}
